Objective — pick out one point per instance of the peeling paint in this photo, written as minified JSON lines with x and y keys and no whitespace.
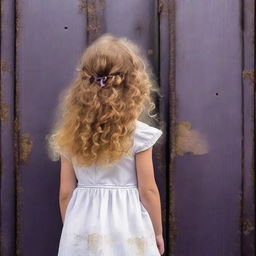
{"x":248,"y":74}
{"x":188,"y":140}
{"x":25,"y":147}
{"x":4,"y":66}
{"x":4,"y":112}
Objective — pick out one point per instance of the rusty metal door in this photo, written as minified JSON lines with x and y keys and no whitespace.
{"x":203,"y":55}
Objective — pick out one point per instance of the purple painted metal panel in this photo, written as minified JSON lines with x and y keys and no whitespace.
{"x":142,"y":26}
{"x":7,"y":186}
{"x":248,"y":203}
{"x":51,"y":36}
{"x":43,"y":45}
{"x":208,"y":87}
{"x":204,"y":68}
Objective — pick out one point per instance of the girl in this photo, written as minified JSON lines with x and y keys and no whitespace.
{"x":109,"y":200}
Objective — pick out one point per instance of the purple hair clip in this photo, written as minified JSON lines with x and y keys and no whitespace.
{"x":102,"y":80}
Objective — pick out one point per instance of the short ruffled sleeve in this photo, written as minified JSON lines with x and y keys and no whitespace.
{"x":145,"y":137}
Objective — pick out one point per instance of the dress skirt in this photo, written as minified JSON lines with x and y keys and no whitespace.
{"x":107,"y":220}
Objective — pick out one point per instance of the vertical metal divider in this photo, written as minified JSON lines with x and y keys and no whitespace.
{"x":248,"y":188}
{"x":16,"y":135}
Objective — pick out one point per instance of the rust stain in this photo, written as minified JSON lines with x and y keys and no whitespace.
{"x":248,"y":227}
{"x":93,"y":24}
{"x":248,"y":74}
{"x":2,"y":11}
{"x":4,"y":66}
{"x":18,"y":25}
{"x":82,"y":6}
{"x":138,"y":243}
{"x":25,"y":147}
{"x":163,"y":7}
{"x":188,"y":140}
{"x":160,"y":6}
{"x":150,"y":52}
{"x":102,"y":4}
{"x":94,"y":13}
{"x":4,"y":112}
{"x":172,"y":222}
{"x":19,"y":188}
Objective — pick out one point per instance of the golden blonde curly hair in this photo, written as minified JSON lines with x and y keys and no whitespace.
{"x":96,"y":124}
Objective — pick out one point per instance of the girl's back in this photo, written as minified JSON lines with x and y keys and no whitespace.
{"x":109,"y":201}
{"x":105,"y":215}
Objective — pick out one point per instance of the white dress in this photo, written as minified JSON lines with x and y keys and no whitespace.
{"x":105,"y":215}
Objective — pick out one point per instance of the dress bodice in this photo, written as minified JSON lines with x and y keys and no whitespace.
{"x":122,"y":172}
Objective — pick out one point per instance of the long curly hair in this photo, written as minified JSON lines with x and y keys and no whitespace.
{"x":95,"y":124}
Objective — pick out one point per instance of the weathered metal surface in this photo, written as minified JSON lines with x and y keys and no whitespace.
{"x":171,"y":135}
{"x":204,"y":167}
{"x":141,"y":24}
{"x":50,"y":40}
{"x":7,"y":165}
{"x":248,"y":130}
{"x":25,"y":149}
{"x":95,"y":16}
{"x":209,"y":95}
{"x":163,"y":75}
{"x":4,"y":111}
